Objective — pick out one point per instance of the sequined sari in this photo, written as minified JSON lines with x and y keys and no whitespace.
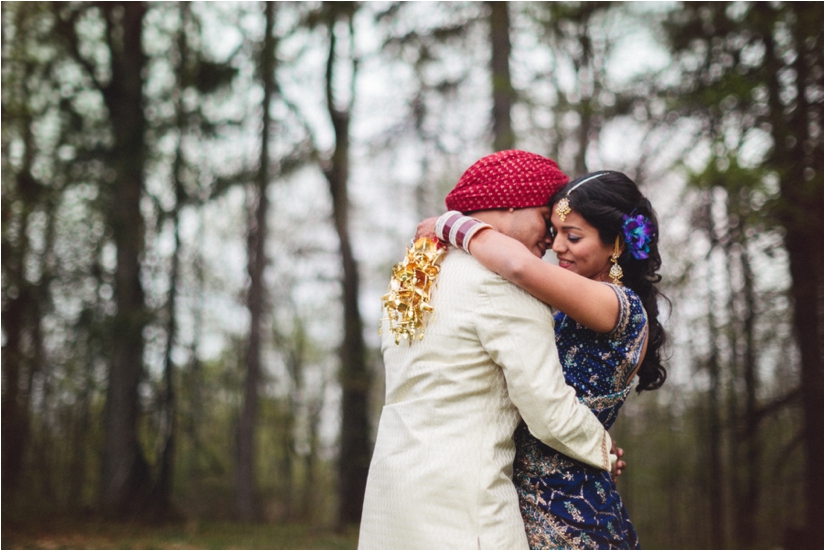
{"x":564,"y":503}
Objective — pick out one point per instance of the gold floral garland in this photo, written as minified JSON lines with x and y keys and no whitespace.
{"x":413,"y":279}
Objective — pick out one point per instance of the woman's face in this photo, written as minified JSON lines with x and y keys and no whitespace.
{"x":579,"y":248}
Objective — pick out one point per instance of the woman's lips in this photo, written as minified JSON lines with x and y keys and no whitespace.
{"x":564,"y":263}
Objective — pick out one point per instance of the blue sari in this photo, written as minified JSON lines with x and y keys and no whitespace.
{"x":564,"y":503}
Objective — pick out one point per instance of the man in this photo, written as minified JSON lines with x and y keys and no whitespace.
{"x":441,"y":472}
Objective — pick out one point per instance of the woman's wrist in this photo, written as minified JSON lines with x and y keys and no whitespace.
{"x":479,"y":238}
{"x":455,"y":228}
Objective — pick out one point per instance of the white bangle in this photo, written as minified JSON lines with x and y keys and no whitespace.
{"x":460,"y":228}
{"x":444,"y":223}
{"x":471,"y":233}
{"x":457,"y":229}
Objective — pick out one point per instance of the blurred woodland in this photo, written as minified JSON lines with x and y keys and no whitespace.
{"x":201,"y":203}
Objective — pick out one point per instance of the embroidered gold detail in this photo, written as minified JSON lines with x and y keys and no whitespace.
{"x":605,"y":452}
{"x":606,"y":401}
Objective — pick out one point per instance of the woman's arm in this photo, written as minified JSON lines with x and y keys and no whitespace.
{"x":589,"y":302}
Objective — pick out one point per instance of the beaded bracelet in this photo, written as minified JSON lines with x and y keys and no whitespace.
{"x":455,"y":228}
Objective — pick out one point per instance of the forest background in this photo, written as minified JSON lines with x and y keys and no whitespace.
{"x":201,"y":204}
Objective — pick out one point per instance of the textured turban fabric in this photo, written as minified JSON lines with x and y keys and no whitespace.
{"x":507,"y":179}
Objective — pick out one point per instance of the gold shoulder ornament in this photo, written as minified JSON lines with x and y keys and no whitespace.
{"x":412,"y":283}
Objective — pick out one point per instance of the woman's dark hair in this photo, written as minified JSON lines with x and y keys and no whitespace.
{"x":602,"y":200}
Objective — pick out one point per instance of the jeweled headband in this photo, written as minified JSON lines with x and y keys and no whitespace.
{"x":563,"y":208}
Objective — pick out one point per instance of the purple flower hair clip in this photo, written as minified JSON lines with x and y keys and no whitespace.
{"x":638,"y":232}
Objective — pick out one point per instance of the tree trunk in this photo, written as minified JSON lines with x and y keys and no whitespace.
{"x":79,"y":448}
{"x":293,"y":347}
{"x":18,"y":317}
{"x":804,"y":242}
{"x":717,"y":512}
{"x":503,"y":93}
{"x":586,"y":67}
{"x":749,"y":518}
{"x":256,"y":296}
{"x":195,"y":418}
{"x":309,"y":499}
{"x":798,"y":156}
{"x":162,"y":495}
{"x":354,"y":458}
{"x":15,"y":406}
{"x":125,"y":471}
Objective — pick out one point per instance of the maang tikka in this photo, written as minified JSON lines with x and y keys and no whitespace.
{"x":563,"y":207}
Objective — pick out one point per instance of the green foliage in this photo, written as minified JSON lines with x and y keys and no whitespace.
{"x":667,"y":484}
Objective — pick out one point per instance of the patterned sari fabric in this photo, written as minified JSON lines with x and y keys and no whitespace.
{"x":564,"y":503}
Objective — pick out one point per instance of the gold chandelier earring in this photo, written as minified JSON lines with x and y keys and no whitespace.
{"x":616,"y":270}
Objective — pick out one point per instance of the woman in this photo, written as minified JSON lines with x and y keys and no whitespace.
{"x":604,"y":233}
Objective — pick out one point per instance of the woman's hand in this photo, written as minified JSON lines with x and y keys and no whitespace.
{"x":426,"y":229}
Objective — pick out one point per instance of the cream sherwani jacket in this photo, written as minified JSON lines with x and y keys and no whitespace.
{"x":441,"y":472}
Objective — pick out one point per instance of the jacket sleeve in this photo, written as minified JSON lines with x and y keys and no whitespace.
{"x":517,"y":332}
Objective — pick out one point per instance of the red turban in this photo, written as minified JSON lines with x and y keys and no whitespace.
{"x":507,"y":179}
